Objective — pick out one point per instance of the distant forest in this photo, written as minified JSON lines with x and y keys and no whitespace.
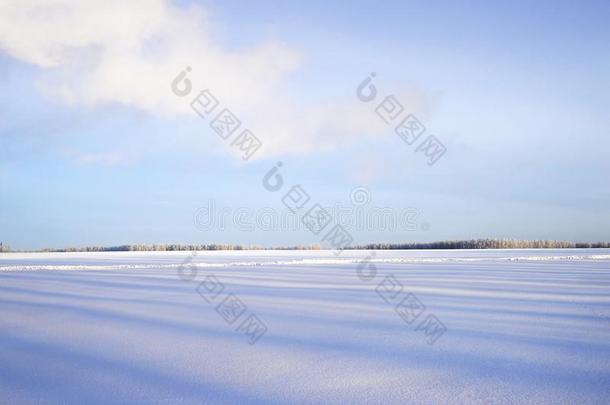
{"x":455,"y":244}
{"x":487,"y":244}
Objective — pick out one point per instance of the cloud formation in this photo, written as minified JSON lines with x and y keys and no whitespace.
{"x":113,"y":51}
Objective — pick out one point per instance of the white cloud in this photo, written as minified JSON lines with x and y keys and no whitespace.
{"x":106,"y":159}
{"x":102,"y":51}
{"x":116,"y":51}
{"x":109,"y":159}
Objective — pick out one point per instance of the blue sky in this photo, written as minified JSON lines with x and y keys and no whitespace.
{"x":96,"y":149}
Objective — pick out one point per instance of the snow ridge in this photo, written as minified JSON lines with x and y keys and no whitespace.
{"x":298,"y":262}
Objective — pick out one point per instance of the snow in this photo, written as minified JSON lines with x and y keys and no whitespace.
{"x":522,"y":326}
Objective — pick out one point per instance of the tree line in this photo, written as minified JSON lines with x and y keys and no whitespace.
{"x":448,"y":244}
{"x":487,"y":244}
{"x":176,"y":247}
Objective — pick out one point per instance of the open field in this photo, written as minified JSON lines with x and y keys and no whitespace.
{"x":516,"y":326}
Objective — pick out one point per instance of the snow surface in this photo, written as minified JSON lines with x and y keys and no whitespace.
{"x":522,"y":326}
